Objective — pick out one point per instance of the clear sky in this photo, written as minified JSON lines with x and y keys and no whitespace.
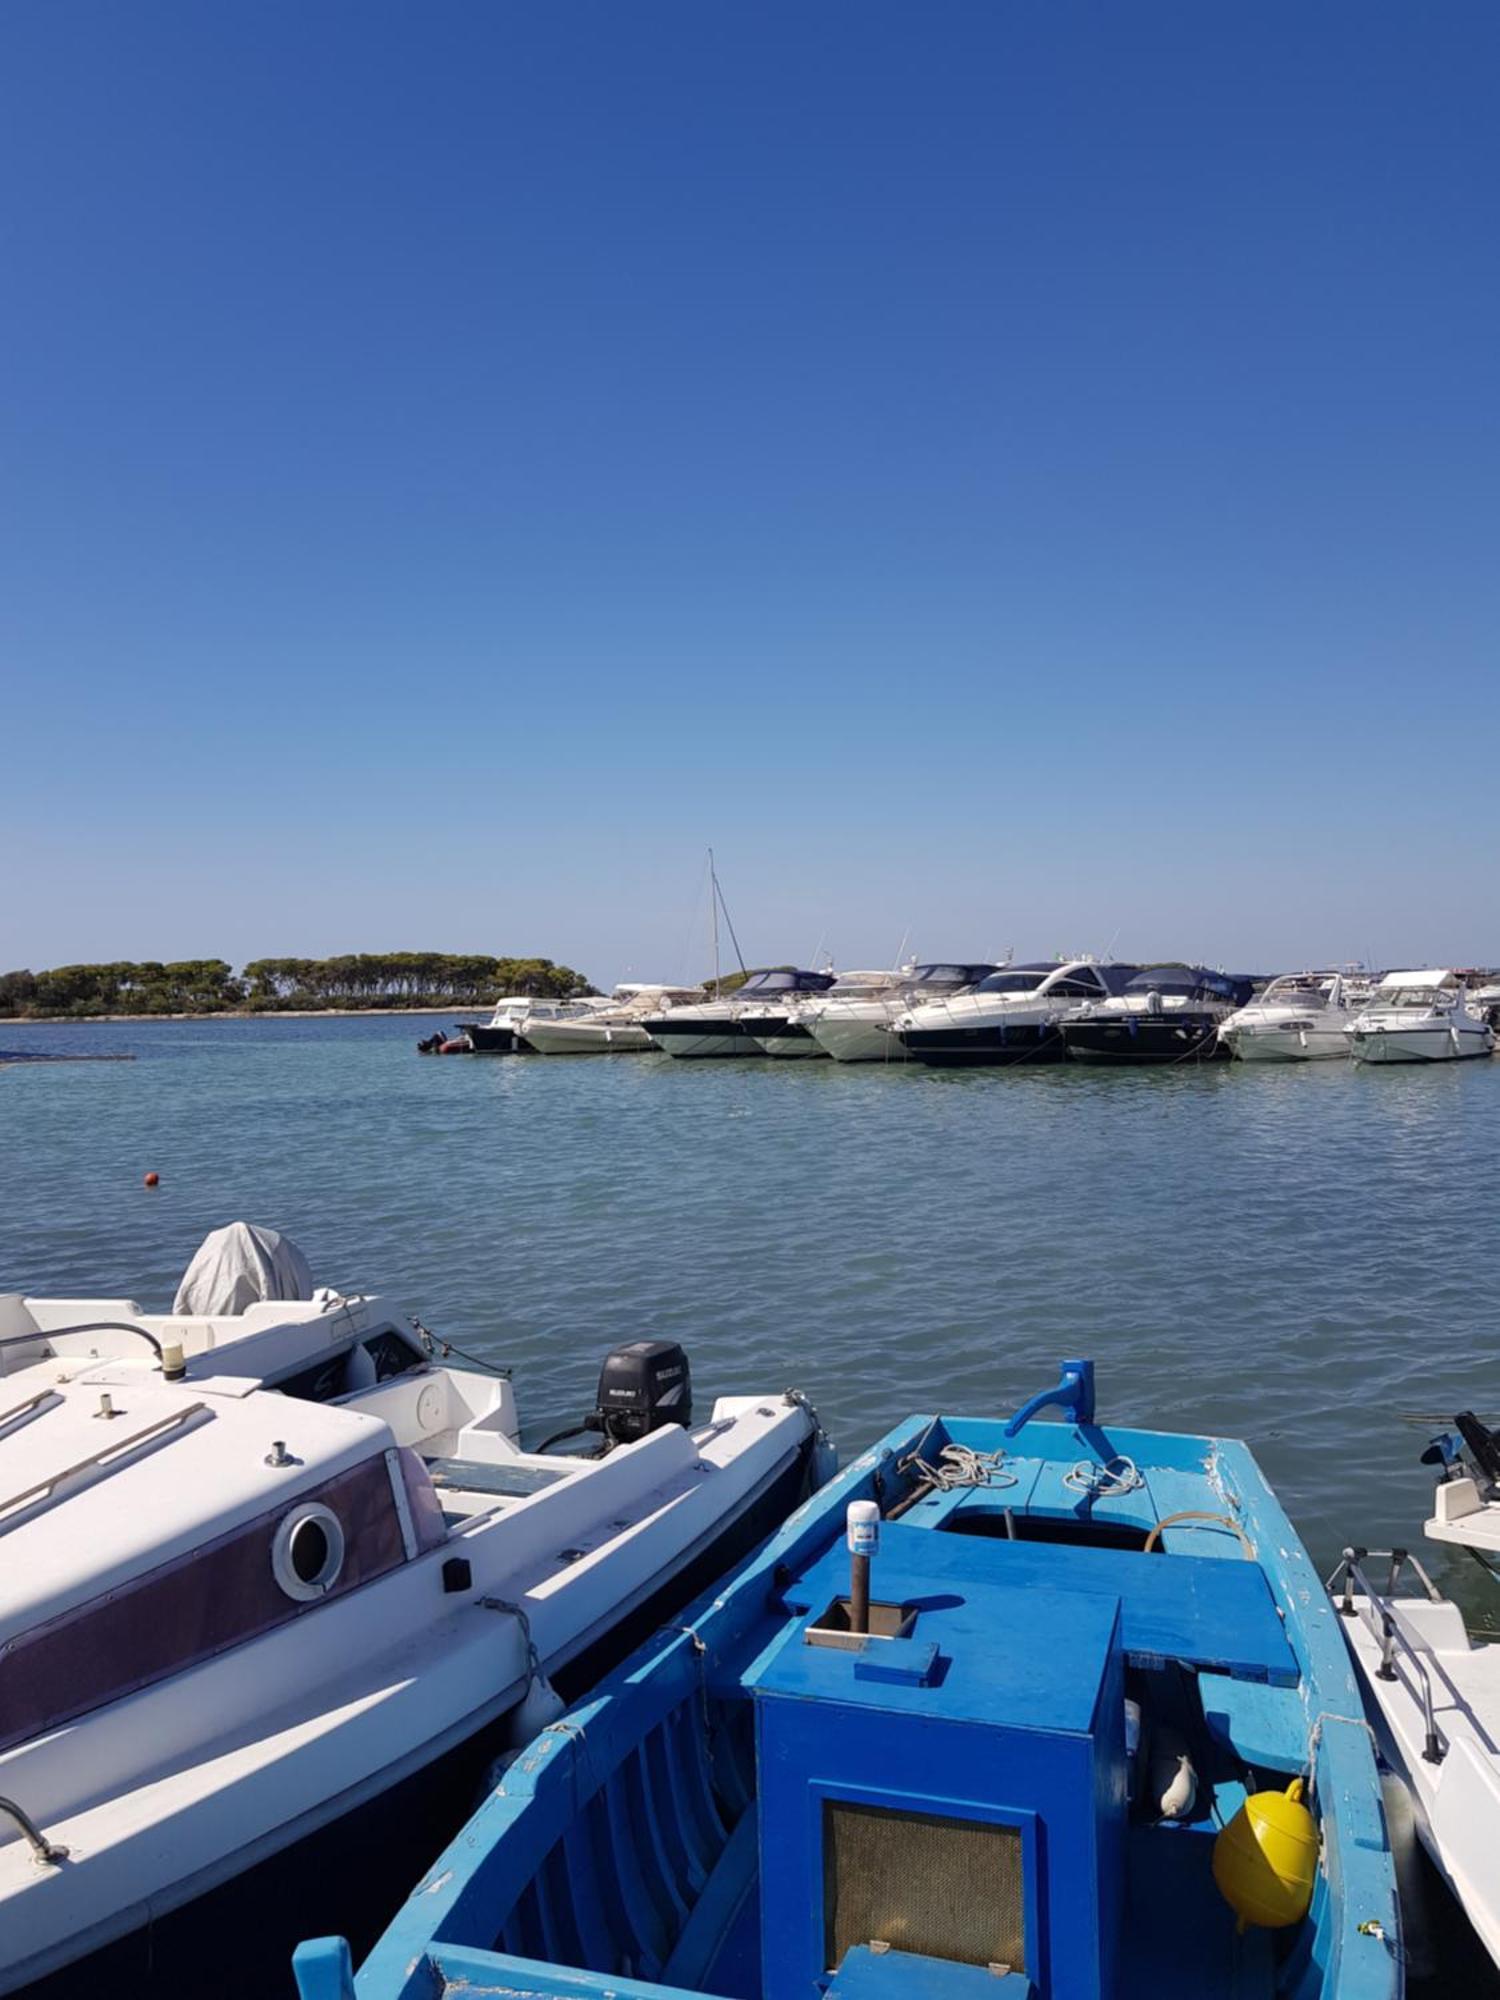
{"x":1006,"y":472}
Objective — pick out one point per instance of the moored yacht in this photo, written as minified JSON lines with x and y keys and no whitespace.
{"x":1167,"y":1013}
{"x":786,"y":1029}
{"x":614,"y":1027}
{"x":505,"y":1033}
{"x":726,"y":1024}
{"x":1012,"y":1016}
{"x":1419,"y":1017}
{"x":260,"y":1568}
{"x":857,"y":1028}
{"x":1298,"y":1017}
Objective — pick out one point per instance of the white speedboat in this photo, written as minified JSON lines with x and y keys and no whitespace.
{"x":507,"y":1031}
{"x":1434,"y":1692}
{"x":1013,"y":1016}
{"x":857,"y":1027}
{"x":614,"y":1028}
{"x":1298,"y":1017}
{"x":786,"y":1029}
{"x":725,"y":1025}
{"x":1419,"y":1017}
{"x":258,"y":1569}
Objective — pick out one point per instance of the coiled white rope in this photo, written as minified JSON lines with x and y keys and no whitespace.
{"x":958,"y":1465}
{"x":1103,"y":1481}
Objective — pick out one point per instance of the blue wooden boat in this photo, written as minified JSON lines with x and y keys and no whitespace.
{"x":1095,"y":1661}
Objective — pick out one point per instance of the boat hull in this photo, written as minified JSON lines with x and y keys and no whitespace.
{"x":697,"y":1039}
{"x":487,"y":1041}
{"x":788,"y":1039}
{"x":1144,"y":1039}
{"x":859,"y":1041}
{"x":360,"y":1859}
{"x":993,"y":1045}
{"x":1419,"y":1045}
{"x":1287,"y":1044}
{"x":588,"y":1038}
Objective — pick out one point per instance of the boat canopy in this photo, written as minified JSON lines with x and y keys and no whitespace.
{"x":784,"y":979}
{"x":1435,"y":976}
{"x":1192,"y":982}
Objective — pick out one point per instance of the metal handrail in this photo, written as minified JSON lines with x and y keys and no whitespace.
{"x":1378,"y":1613}
{"x":49,"y":1333}
{"x":16,"y":1410}
{"x":47,"y":1853}
{"x":148,"y":1435}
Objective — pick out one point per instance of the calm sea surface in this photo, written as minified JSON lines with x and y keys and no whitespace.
{"x":1300,"y":1256}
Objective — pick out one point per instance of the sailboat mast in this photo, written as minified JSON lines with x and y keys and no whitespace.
{"x":713,"y":903}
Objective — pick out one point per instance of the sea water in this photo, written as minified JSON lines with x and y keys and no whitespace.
{"x":1301,"y":1255}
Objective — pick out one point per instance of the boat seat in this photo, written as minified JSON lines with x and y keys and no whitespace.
{"x":1203,"y":1611}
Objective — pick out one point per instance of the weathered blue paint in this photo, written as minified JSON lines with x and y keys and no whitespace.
{"x":666,"y":1836}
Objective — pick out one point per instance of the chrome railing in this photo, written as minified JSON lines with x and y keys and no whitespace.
{"x":1378,"y":1612}
{"x":45,"y":1852}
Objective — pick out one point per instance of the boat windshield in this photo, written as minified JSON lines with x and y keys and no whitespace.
{"x":949,"y":975}
{"x":1415,"y":996}
{"x":1015,"y":979}
{"x":1300,"y":989}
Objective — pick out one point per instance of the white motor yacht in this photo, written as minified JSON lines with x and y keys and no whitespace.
{"x":857,"y":1027}
{"x":259,"y":1568}
{"x":1012,"y":1016}
{"x":614,"y":1028}
{"x":1298,"y":1017}
{"x":1418,"y":1017}
{"x":507,"y":1031}
{"x":1433,"y":1691}
{"x":786,"y":1029}
{"x":725,"y":1025}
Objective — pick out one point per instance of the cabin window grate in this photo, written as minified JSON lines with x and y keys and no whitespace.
{"x":918,"y":1882}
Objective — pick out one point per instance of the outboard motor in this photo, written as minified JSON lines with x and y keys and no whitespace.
{"x":643,"y":1385}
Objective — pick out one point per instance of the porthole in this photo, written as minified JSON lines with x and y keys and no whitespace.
{"x":307,"y":1555}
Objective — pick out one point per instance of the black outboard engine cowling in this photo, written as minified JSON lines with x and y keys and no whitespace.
{"x":642,"y":1386}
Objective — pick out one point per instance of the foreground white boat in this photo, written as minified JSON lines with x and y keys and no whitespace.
{"x":257,"y":1569}
{"x":787,"y":1029}
{"x":508,"y":1030}
{"x":1419,"y":1017}
{"x":1434,"y":1693}
{"x":857,"y":1028}
{"x":614,"y":1028}
{"x":725,"y":1025}
{"x":1300,"y":1017}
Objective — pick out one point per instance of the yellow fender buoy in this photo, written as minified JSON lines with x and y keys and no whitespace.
{"x":1266,"y":1859}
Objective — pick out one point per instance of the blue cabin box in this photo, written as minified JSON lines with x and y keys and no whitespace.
{"x":956,"y":1783}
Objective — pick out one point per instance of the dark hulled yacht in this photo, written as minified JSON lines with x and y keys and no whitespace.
{"x":1166,"y":1014}
{"x":1013,"y":1016}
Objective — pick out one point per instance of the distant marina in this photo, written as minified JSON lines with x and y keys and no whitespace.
{"x":962,"y":1016}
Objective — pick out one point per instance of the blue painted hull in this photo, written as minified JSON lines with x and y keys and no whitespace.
{"x":652,"y":1843}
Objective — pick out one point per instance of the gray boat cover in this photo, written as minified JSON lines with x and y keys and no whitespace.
{"x":239,"y":1265}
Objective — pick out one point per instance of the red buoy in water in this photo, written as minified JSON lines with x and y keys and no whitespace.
{"x":152,"y":1180}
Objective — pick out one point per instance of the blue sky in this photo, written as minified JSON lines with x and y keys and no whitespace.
{"x":1006,"y":474}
